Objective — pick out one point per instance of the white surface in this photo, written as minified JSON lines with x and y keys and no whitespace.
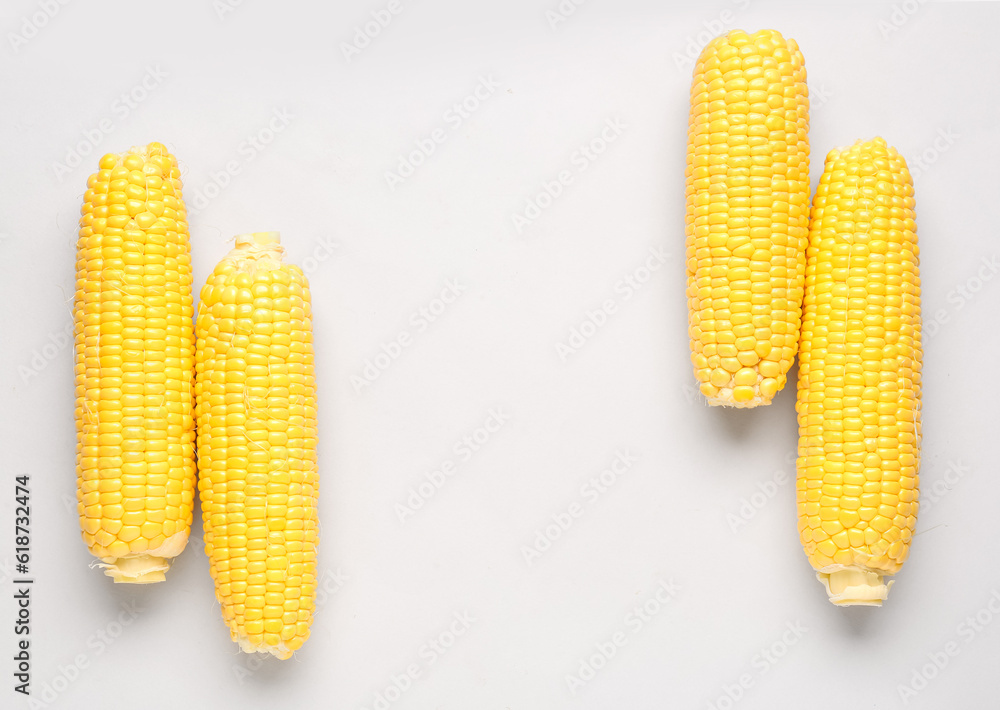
{"x":630,"y":388}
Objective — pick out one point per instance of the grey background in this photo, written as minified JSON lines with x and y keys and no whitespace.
{"x":378,"y":255}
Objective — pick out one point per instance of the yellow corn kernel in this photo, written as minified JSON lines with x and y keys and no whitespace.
{"x":134,"y":366}
{"x":859,"y":374}
{"x":747,"y":220}
{"x":256,"y":411}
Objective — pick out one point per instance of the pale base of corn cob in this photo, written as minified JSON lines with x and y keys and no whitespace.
{"x":146,"y":567}
{"x":763,"y":395}
{"x":854,"y":586}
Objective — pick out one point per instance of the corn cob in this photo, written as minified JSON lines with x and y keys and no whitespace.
{"x":859,"y":374}
{"x":747,"y":221}
{"x":256,"y":412}
{"x":134,"y":366}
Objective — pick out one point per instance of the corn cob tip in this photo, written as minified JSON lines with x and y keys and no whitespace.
{"x":109,"y":161}
{"x":855,"y":586}
{"x":765,"y":39}
{"x":259,"y":239}
{"x":877,"y":145}
{"x":256,"y":250}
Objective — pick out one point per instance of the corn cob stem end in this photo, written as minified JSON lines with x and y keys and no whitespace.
{"x":724,"y":399}
{"x":145,"y":567}
{"x":854,"y":586}
{"x":140,"y":569}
